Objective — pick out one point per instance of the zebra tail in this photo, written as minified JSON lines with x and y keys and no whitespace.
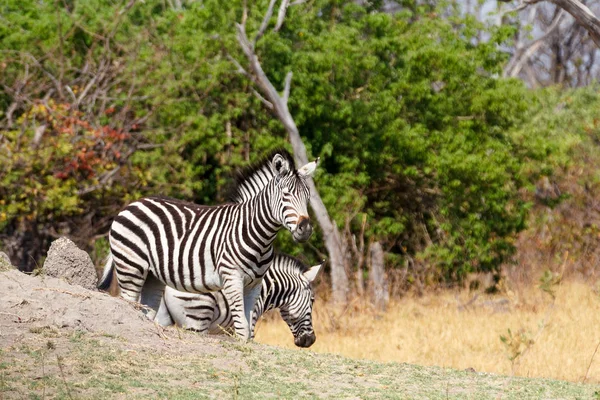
{"x":107,"y":275}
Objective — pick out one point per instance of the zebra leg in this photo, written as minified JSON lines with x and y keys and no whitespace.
{"x":233,"y":290}
{"x":130,"y":283}
{"x":251,"y":295}
{"x":151,"y":296}
{"x":131,"y":269}
{"x":163,"y":315}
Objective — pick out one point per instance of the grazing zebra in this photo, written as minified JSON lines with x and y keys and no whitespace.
{"x":201,"y":249}
{"x":287,"y":285}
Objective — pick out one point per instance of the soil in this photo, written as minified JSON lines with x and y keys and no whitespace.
{"x":65,"y":260}
{"x":29,"y":304}
{"x":59,"y":340}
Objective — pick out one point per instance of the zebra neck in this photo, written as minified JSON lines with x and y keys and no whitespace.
{"x":262,"y":219}
{"x":271,"y":291}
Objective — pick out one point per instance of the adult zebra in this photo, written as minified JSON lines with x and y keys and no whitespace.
{"x":286,"y":286}
{"x":229,"y":247}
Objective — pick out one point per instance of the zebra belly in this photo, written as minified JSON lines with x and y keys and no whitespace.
{"x":200,"y":278}
{"x":199,"y":311}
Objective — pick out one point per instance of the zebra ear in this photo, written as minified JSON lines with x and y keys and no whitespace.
{"x":280,"y":165}
{"x":312,"y":273}
{"x":309,"y":168}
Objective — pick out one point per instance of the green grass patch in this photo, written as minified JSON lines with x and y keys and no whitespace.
{"x":98,"y":369}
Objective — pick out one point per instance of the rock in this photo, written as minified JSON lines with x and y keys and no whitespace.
{"x":65,"y":260}
{"x":5,"y":263}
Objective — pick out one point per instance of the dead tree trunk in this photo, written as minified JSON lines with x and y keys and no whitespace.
{"x":378,"y":286}
{"x":279,"y":105}
{"x":359,"y":253}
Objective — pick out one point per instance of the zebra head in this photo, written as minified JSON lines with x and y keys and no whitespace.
{"x":291,"y":204}
{"x":296,"y":307}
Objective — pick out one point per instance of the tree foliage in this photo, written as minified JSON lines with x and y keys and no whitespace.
{"x":407,"y":111}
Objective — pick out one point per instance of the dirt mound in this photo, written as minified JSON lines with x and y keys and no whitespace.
{"x":30,"y":304}
{"x":65,"y":260}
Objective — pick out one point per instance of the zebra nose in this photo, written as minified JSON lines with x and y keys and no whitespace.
{"x":305,"y":339}
{"x":303,"y":230}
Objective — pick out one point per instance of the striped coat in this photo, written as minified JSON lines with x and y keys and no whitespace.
{"x":287,"y":286}
{"x":202,"y":249}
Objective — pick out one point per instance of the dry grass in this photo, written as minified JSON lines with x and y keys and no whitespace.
{"x":551,"y":339}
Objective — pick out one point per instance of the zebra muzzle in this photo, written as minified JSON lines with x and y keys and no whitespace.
{"x":303,"y":230}
{"x":305,"y":339}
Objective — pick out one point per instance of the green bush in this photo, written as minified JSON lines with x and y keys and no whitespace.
{"x":407,"y":110}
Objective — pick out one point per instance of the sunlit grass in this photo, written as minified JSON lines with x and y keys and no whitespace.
{"x":547,"y":339}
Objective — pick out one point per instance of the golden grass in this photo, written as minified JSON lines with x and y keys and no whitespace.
{"x":551,"y":339}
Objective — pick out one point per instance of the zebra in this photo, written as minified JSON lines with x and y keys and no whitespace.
{"x":287,"y":285}
{"x":229,"y":247}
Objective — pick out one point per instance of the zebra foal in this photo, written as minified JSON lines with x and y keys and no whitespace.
{"x":200,"y":249}
{"x":286,"y":286}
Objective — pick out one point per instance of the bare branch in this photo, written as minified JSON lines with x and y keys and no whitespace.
{"x":583,"y":16}
{"x":265,"y":22}
{"x":522,"y":5}
{"x":71,"y":92}
{"x":37,"y":137}
{"x":286,"y":86}
{"x":40,"y":66}
{"x":245,"y":14}
{"x":265,"y":101}
{"x":11,"y":109}
{"x":127,"y":7}
{"x":523,"y":55}
{"x":281,"y":15}
{"x":104,"y":179}
{"x":240,"y":69}
{"x":91,"y":83}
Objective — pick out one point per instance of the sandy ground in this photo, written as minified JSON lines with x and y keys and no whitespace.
{"x":30,"y":304}
{"x":59,"y":340}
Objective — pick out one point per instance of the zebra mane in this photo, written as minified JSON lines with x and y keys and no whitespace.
{"x":285,"y":261}
{"x":250,"y":180}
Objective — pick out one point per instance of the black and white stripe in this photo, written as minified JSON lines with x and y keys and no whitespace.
{"x":201,"y":249}
{"x":286,"y":286}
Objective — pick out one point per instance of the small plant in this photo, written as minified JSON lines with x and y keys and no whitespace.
{"x":59,"y":361}
{"x":76,"y":336}
{"x":236,"y":385}
{"x":549,"y":282}
{"x":516,"y":345}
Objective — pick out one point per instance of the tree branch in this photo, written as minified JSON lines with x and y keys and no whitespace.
{"x":516,"y":64}
{"x":286,"y":87}
{"x":522,"y":5}
{"x":265,"y":22}
{"x":583,"y":16}
{"x":266,"y":102}
{"x":281,"y":15}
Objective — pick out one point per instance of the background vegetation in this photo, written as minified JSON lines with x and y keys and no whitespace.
{"x":427,"y":147}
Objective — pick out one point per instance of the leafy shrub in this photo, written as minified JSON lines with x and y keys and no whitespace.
{"x":407,"y":111}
